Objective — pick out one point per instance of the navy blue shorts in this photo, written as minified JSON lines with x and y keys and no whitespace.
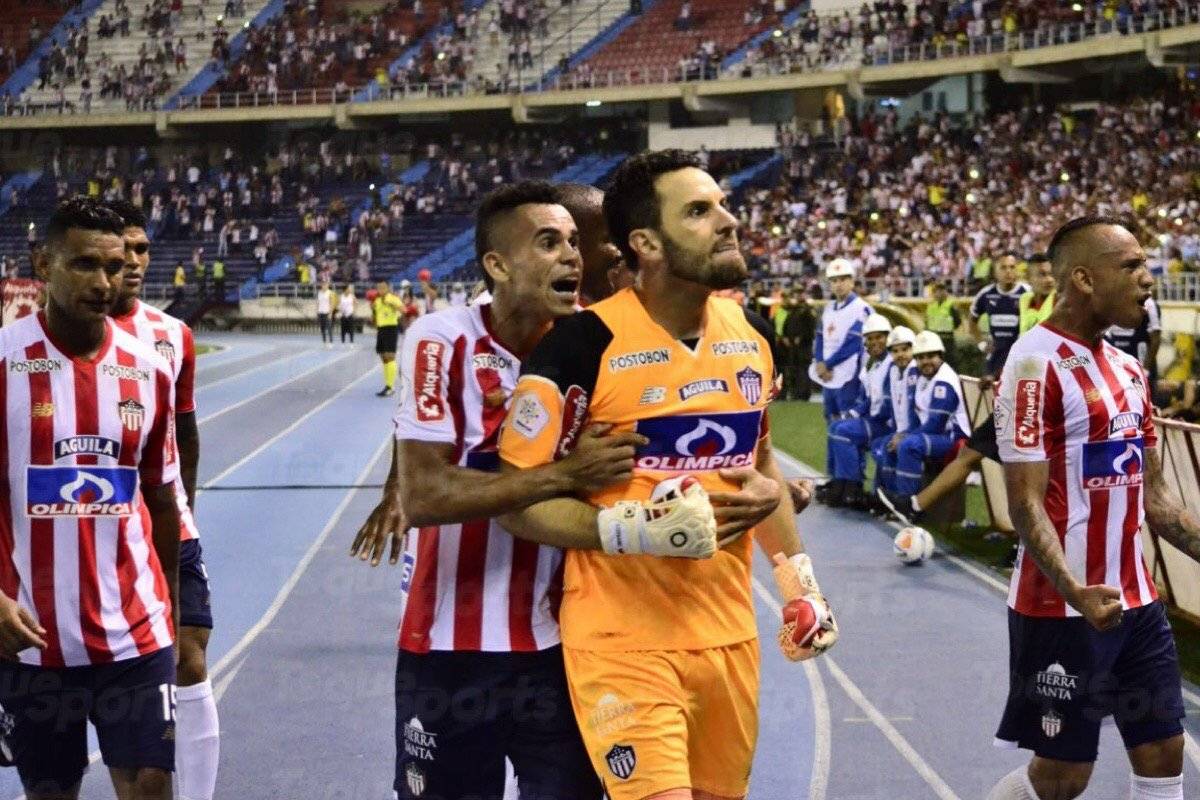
{"x":131,"y":703}
{"x":195,"y":608}
{"x":1066,"y":677}
{"x":459,"y":714}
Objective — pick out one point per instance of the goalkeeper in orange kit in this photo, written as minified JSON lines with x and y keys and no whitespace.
{"x":666,"y":699}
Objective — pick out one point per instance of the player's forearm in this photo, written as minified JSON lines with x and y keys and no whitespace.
{"x":459,"y":494}
{"x":777,"y":533}
{"x":164,"y":523}
{"x":561,"y":522}
{"x":187,"y":438}
{"x":1170,"y":520}
{"x":1041,"y":542}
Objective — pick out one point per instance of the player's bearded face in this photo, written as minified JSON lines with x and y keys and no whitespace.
{"x":83,"y":273}
{"x":699,"y":234}
{"x":1121,"y":283}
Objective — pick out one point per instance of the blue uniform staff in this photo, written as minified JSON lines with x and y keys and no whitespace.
{"x":837,"y":348}
{"x":901,"y":376}
{"x":1001,"y":303}
{"x":868,"y":419}
{"x":937,"y":415}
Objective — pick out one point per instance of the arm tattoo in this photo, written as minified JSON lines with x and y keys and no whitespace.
{"x":1166,"y":516}
{"x":1042,"y":543}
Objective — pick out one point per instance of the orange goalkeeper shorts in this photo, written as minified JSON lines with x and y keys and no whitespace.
{"x":667,"y":719}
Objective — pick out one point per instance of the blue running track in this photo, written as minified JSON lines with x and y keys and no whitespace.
{"x":303,"y":653}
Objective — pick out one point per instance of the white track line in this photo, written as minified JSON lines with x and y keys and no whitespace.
{"x":269,"y":389}
{"x":240,"y":372}
{"x":906,"y":750}
{"x":285,"y":590}
{"x":296,"y":424}
{"x":1190,"y":747}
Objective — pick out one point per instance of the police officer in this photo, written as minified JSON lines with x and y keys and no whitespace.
{"x":1035,"y":305}
{"x":942,"y":318}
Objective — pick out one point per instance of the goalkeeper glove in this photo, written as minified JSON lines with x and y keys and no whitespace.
{"x":681,"y":525}
{"x":808,"y":625}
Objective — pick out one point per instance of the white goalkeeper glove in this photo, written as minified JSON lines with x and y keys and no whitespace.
{"x":808,"y":625}
{"x":682,"y":525}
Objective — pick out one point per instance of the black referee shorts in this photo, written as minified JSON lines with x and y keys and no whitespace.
{"x":386,"y":337}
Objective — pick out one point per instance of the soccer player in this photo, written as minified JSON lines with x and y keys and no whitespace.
{"x":937,"y":414}
{"x":666,"y":698}
{"x":867,"y":420}
{"x":1034,"y":307}
{"x":1088,"y":636}
{"x":604,"y":270}
{"x":479,"y":613}
{"x":998,"y":301}
{"x":385,"y":311}
{"x":90,"y":546}
{"x":837,"y":347}
{"x":197,"y":729}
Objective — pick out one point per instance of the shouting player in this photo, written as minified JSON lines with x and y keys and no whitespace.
{"x":197,"y":730}
{"x":89,"y":537}
{"x":666,"y":698}
{"x":480,"y":606}
{"x":1088,"y":636}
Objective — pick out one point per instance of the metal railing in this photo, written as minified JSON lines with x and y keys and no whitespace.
{"x":1048,"y":35}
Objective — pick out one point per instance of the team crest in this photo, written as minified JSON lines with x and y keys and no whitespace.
{"x":416,"y":779}
{"x":166,"y":350}
{"x":622,"y":760}
{"x":42,"y":410}
{"x":133,"y":414}
{"x":750,"y":384}
{"x":1051,"y":723}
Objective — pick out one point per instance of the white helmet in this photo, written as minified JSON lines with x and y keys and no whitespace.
{"x":876,"y":323}
{"x":839,"y":268}
{"x":901,"y":334}
{"x":928,"y":342}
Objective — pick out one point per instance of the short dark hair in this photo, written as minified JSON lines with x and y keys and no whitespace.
{"x":1039,"y":258}
{"x":130,"y":214}
{"x":579,"y":198}
{"x":498,"y":204}
{"x":85,"y":213}
{"x":1067,"y":231}
{"x":631,"y":201}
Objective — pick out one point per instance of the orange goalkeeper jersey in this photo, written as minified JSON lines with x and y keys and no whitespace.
{"x":702,"y":405}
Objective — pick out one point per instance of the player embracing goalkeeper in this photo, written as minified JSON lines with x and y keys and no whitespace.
{"x":662,"y":654}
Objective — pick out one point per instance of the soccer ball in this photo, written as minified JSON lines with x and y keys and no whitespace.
{"x":913,"y":545}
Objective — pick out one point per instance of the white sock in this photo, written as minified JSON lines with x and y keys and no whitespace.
{"x":1156,"y":788}
{"x":197,"y":741}
{"x":1014,"y":786}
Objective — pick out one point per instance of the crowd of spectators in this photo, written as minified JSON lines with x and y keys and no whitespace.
{"x":935,"y":198}
{"x":819,"y":40}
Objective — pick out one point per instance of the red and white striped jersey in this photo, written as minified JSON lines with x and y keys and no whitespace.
{"x":1086,"y":409}
{"x":469,"y":586}
{"x":172,"y":339}
{"x":78,"y":438}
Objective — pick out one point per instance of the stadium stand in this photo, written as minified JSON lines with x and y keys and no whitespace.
{"x":22,"y":27}
{"x":691,"y":37}
{"x":942,"y":198}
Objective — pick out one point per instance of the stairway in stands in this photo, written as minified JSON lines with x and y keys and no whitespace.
{"x":570,"y":27}
{"x":196,"y":31}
